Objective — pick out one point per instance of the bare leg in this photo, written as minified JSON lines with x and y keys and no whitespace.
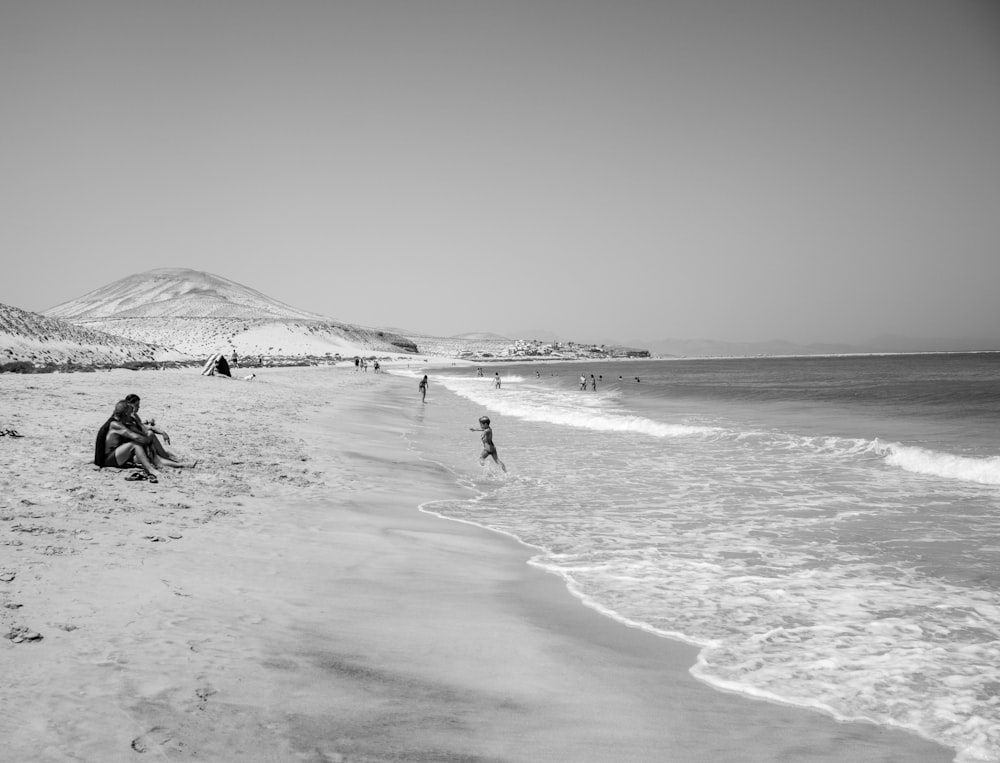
{"x":160,"y":456}
{"x":127,"y":450}
{"x":157,"y":448}
{"x":487,"y":454}
{"x":161,"y":462}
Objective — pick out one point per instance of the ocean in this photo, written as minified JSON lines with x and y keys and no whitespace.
{"x":826,"y":530}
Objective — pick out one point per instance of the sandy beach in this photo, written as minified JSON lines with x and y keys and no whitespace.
{"x":286,"y":600}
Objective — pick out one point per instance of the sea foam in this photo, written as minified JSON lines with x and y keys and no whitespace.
{"x":985,"y":471}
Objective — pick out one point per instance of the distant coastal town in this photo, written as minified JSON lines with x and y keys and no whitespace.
{"x":499,"y":348}
{"x":528,"y":349}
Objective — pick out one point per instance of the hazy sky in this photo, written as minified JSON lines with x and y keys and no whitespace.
{"x":739,"y":170}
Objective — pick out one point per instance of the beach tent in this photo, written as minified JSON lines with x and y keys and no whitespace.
{"x":216,"y":364}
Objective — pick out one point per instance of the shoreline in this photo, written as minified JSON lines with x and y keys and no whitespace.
{"x":309,"y":611}
{"x":29,"y":368}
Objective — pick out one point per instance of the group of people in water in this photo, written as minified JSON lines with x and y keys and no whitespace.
{"x":489,"y":449}
{"x":125,"y":441}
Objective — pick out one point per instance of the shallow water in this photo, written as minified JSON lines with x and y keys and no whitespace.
{"x":826,"y":529}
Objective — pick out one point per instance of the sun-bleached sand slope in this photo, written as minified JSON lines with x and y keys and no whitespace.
{"x":286,"y":601}
{"x":200,"y":313}
{"x":34,"y":338}
{"x":266,"y":337}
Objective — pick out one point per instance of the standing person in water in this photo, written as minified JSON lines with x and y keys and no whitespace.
{"x":489,"y":449}
{"x":496,"y":380}
{"x":423,"y":389}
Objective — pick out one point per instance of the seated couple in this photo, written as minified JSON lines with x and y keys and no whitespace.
{"x":125,"y":442}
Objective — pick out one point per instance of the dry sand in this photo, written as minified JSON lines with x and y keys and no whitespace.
{"x":286,"y":601}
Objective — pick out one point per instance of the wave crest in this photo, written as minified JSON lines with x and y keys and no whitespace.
{"x":985,"y":471}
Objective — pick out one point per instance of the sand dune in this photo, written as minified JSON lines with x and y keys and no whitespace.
{"x":41,"y":340}
{"x":271,"y":338}
{"x":181,"y":314}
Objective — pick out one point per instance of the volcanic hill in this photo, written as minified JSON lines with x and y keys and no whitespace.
{"x":200,"y":313}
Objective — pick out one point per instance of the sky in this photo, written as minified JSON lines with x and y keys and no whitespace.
{"x":740,"y":170}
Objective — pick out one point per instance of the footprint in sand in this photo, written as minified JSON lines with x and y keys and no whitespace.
{"x":20,"y":634}
{"x":203,"y":694}
{"x":157,"y":738}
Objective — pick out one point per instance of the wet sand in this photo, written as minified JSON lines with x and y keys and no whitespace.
{"x":286,"y":601}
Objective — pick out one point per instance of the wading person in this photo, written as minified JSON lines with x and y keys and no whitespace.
{"x":489,"y":449}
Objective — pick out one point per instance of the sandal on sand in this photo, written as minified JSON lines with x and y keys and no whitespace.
{"x":136,"y":476}
{"x":12,"y":433}
{"x":152,"y":478}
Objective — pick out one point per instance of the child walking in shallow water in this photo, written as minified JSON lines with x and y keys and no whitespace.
{"x":489,"y":449}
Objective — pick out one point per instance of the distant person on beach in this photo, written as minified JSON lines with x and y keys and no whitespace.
{"x":496,"y":379}
{"x":593,"y":383}
{"x":479,"y":371}
{"x":423,"y":389}
{"x":583,"y":382}
{"x":234,"y":361}
{"x":158,"y":454}
{"x":118,"y":446}
{"x":489,"y":449}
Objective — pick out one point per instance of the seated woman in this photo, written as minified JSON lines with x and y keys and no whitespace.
{"x":118,"y":446}
{"x":157,"y":453}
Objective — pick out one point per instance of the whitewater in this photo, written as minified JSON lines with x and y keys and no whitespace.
{"x":826,"y":530}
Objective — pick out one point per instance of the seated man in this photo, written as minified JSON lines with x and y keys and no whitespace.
{"x":157,"y":453}
{"x":118,"y":446}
